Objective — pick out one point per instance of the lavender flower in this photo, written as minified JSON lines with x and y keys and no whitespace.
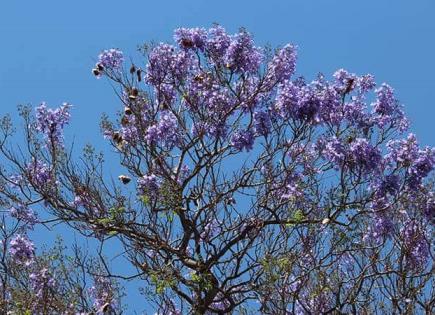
{"x":387,"y":109}
{"x":22,"y":250}
{"x":166,"y":131}
{"x":217,"y":44}
{"x":52,"y":121}
{"x":283,"y":64}
{"x":41,"y":282}
{"x":149,"y":185}
{"x":111,"y":59}
{"x":415,"y":245}
{"x":364,"y":155}
{"x":262,"y":123}
{"x":39,"y":174}
{"x":243,"y":140}
{"x":165,"y":61}
{"x":241,"y":55}
{"x":190,"y":38}
{"x":333,"y":150}
{"x":103,"y":294}
{"x":27,"y":215}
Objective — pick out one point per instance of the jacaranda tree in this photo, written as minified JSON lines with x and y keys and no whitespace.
{"x":244,"y":190}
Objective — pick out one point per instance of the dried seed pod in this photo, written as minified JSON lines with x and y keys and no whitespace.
{"x":127,"y":110}
{"x":132,"y":69}
{"x":138,"y":74}
{"x":106,"y":307}
{"x":124,"y":121}
{"x":96,"y":72}
{"x":133,"y":94}
{"x":116,"y":137}
{"x":124,"y":179}
{"x":100,"y":66}
{"x":187,"y":43}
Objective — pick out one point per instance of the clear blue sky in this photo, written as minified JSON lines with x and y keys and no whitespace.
{"x":49,"y":47}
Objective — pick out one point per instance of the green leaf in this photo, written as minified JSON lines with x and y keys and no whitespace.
{"x":298,"y":216}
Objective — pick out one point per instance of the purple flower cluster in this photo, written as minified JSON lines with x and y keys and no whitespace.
{"x":167,"y":64}
{"x":190,"y":38}
{"x":243,"y":140}
{"x":41,"y":282}
{"x":220,"y":303}
{"x":22,"y":250}
{"x":166,"y":131}
{"x":429,"y":207}
{"x":381,"y":228}
{"x":314,"y":303}
{"x":283,"y":64}
{"x":333,"y":150}
{"x":364,"y":155}
{"x":389,"y":185}
{"x":241,"y":55}
{"x":217,"y":44}
{"x":149,"y":185}
{"x":299,"y":102}
{"x":111,"y":59}
{"x":25,"y":214}
{"x":262,"y":123}
{"x":52,"y":121}
{"x":387,"y":109}
{"x":359,"y":154}
{"x":415,"y":244}
{"x":103,"y":294}
{"x":293,"y":189}
{"x":39,"y":174}
{"x":418,"y":162}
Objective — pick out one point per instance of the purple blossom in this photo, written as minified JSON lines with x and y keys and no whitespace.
{"x":149,"y":185}
{"x":381,"y":228}
{"x":217,"y":44}
{"x":52,"y":121}
{"x":111,"y":59}
{"x":220,"y":303}
{"x":334,"y":150}
{"x":388,"y":185}
{"x":166,"y":131}
{"x":366,"y":83}
{"x":103,"y":294}
{"x":299,"y":102}
{"x":415,"y":245}
{"x":293,"y":189}
{"x":42,"y":282}
{"x":190,"y":38}
{"x":39,"y":174}
{"x":22,"y":212}
{"x":242,"y":56}
{"x":364,"y":155}
{"x":167,"y":63}
{"x":429,"y":207}
{"x":262,"y":123}
{"x":421,"y":167}
{"x":403,"y":152}
{"x":387,"y":109}
{"x":243,"y":140}
{"x":406,"y":153}
{"x":382,"y":224}
{"x":283,"y":64}
{"x":22,"y":250}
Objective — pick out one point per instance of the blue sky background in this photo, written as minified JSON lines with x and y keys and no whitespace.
{"x":49,"y":47}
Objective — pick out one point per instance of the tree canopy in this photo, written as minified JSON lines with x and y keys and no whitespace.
{"x":245,"y":189}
